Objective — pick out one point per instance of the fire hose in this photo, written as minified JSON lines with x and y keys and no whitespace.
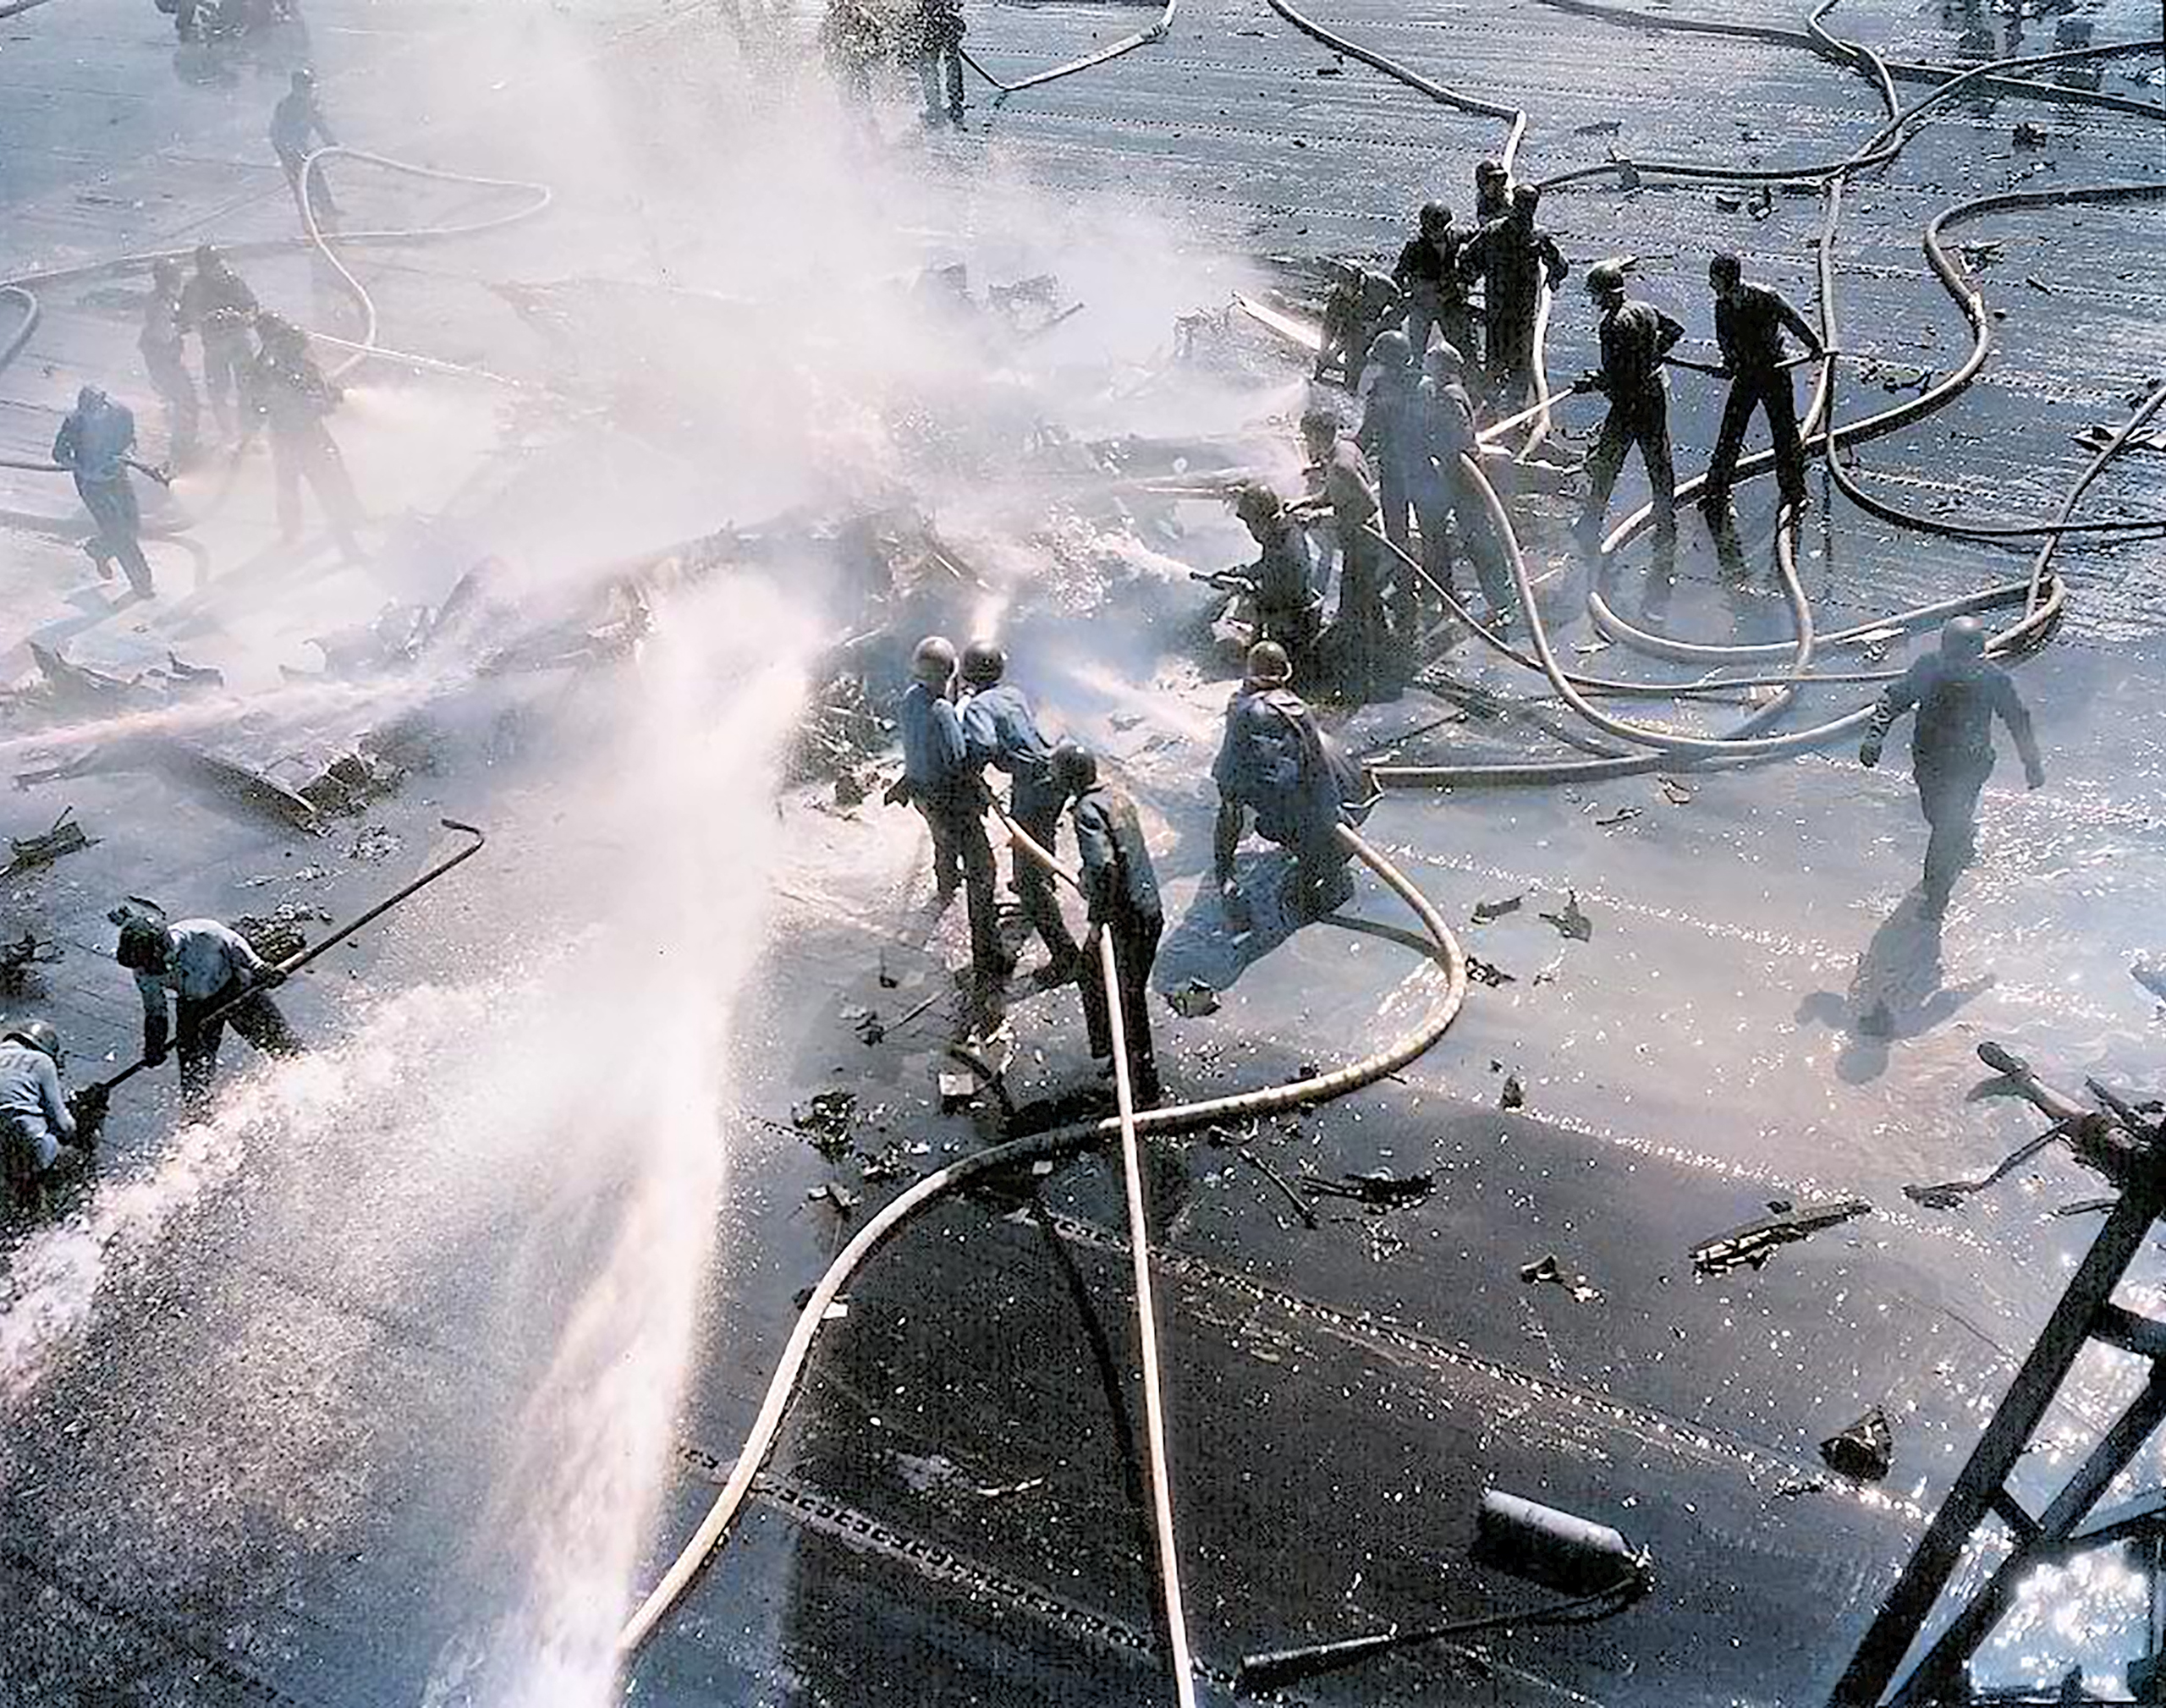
{"x":1061,"y":1142}
{"x":1156,"y":30}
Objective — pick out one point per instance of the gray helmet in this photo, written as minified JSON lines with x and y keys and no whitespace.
{"x":1075,"y":769}
{"x":1726,"y":264}
{"x":1391,"y":349}
{"x":89,"y":397}
{"x":1525,"y":197}
{"x":1268,"y":663}
{"x":1319,"y":424}
{"x":1257,"y":503}
{"x":1607,"y":278}
{"x":983,"y":664}
{"x":933,"y":663}
{"x":144,"y":946}
{"x":1444,"y":357}
{"x":1489,"y":171}
{"x":1435,"y":217}
{"x":36,"y":1034}
{"x":167,"y":272}
{"x":1962,"y":637}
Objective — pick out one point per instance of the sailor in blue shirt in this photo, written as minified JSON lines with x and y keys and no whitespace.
{"x":92,"y":445}
{"x":206,"y":966}
{"x":1000,"y":731}
{"x":939,"y":780}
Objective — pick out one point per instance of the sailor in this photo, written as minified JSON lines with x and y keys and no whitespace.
{"x":215,"y":977}
{"x":1447,"y":415}
{"x":41,"y":1133}
{"x":1275,"y":763}
{"x":852,"y":40}
{"x":92,"y":445}
{"x":220,"y":309}
{"x":291,"y":395}
{"x":1493,"y":192}
{"x":1515,"y":258}
{"x":296,"y":122}
{"x":1359,"y":306}
{"x":160,"y":342}
{"x":1121,"y":887}
{"x":932,"y":33}
{"x":939,"y":780}
{"x":1749,"y":320}
{"x":1399,"y":439}
{"x":1428,"y":273}
{"x":1957,"y":692}
{"x":1361,"y":640}
{"x":1288,"y":607}
{"x":1001,"y":732}
{"x":1635,"y":336}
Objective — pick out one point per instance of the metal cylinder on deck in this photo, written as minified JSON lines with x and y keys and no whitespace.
{"x":1541,"y":1545}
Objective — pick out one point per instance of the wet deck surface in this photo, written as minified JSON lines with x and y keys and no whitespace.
{"x":313,"y":1414}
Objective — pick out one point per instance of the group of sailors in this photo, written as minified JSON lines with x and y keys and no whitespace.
{"x":1404,"y":345}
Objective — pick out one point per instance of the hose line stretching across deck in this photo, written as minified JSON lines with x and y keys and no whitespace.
{"x":1064,"y":1142}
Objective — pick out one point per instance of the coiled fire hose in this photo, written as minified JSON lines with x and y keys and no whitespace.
{"x":1061,"y":1142}
{"x":2042,"y":602}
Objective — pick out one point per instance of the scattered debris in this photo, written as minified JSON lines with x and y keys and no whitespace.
{"x":1752,"y":1245}
{"x":1623,"y":814}
{"x":1674,"y":791}
{"x":280,"y":934}
{"x":1308,"y":1215}
{"x":1378,"y":1189}
{"x":1866,"y":1451}
{"x":377,"y":842}
{"x":2039,"y":285}
{"x":17,"y":958}
{"x":1485,"y":912}
{"x":1482,"y":973}
{"x":866,"y":1023}
{"x":350,"y":781}
{"x":1570,"y":921}
{"x":1546,"y":1269}
{"x":1949,"y":1195}
{"x":1513,"y":1096}
{"x":234,"y":784}
{"x":892,"y":1162}
{"x":835,"y":1193}
{"x":1193,"y":1000}
{"x":2097,"y":437}
{"x":77,"y":687}
{"x":2029,"y":135}
{"x":65,"y":837}
{"x":826,"y":1121}
{"x":1791,"y":1487}
{"x":64,"y":689}
{"x":1599,"y":127}
{"x":195,"y":675}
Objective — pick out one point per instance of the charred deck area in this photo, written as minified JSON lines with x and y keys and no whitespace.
{"x":278,"y":1423}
